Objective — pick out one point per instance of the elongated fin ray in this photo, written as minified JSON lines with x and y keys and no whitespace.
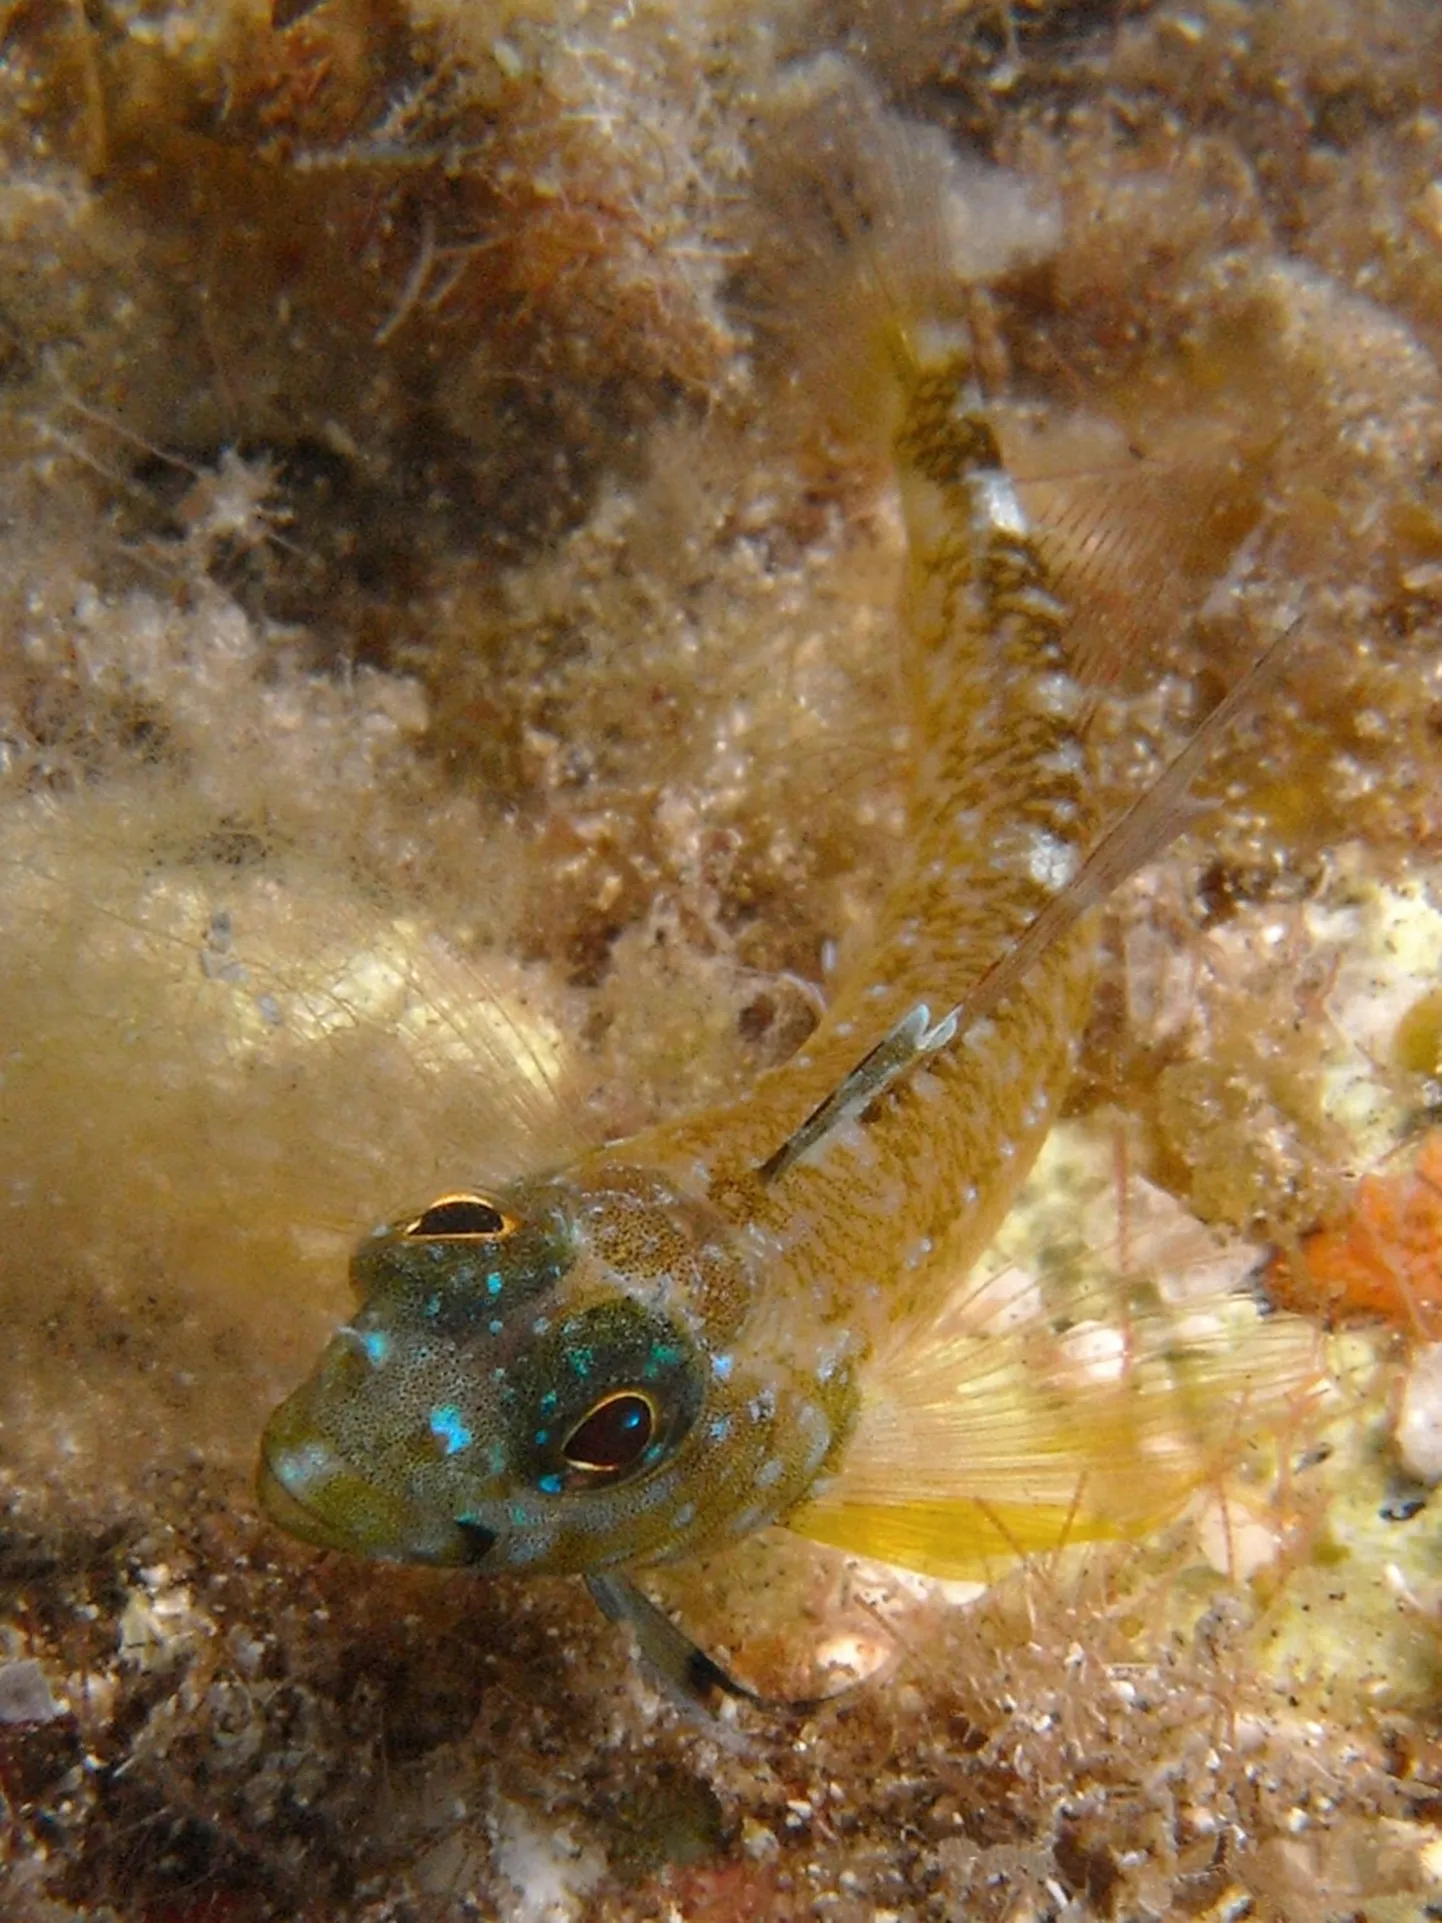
{"x":1141,"y":833}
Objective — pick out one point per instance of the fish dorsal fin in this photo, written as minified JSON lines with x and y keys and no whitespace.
{"x":913,"y":1037}
{"x":980,"y":1443}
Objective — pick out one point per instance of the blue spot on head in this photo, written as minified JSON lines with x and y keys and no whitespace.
{"x":448,"y":1428}
{"x":377,"y":1345}
{"x":549,"y":1485}
{"x":494,"y":1284}
{"x":664,"y":1355}
{"x":548,"y":1402}
{"x":543,"y":1436}
{"x":582,"y":1361}
{"x":721,"y":1365}
{"x":433,"y":1305}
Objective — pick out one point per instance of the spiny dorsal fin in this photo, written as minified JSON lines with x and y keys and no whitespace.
{"x":914,"y":1036}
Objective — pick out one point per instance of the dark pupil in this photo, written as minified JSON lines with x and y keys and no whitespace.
{"x":612,"y":1436}
{"x":459,"y":1215}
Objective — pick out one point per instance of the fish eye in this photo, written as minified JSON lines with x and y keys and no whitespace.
{"x":450,"y":1216}
{"x":613,"y":1435}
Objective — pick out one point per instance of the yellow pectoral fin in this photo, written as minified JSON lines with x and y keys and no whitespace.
{"x":973,"y":1449}
{"x":965,"y":1540}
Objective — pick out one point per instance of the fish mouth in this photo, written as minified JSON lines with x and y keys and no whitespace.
{"x":357,"y":1518}
{"x":289,"y":1513}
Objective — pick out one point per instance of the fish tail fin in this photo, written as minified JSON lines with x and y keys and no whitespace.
{"x":875,"y":230}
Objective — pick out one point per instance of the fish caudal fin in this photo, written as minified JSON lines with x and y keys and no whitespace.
{"x":874,"y":234}
{"x":981,"y":1444}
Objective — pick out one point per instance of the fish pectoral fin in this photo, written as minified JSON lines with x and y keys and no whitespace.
{"x":978,"y":1448}
{"x":968,"y":1539}
{"x":694,"y":1681}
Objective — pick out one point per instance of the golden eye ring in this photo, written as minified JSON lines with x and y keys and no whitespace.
{"x":461,"y":1217}
{"x":613,"y":1434}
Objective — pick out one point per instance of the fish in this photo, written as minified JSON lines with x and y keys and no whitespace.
{"x":763,"y":1312}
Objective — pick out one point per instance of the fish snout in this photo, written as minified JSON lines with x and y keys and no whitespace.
{"x":307,"y":1489}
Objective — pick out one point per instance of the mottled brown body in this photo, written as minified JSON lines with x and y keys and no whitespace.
{"x":1000,"y":814}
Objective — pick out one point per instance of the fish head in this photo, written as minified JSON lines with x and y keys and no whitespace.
{"x":540,"y":1376}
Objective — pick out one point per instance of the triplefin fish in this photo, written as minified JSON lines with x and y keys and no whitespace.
{"x":760,"y":1313}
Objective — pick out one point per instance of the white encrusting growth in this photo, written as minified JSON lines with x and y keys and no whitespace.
{"x":1038,"y":603}
{"x":817,"y":1445}
{"x":997,"y":508}
{"x":304,"y":1467}
{"x":1069,"y":759}
{"x":1059,"y":696}
{"x":1052,"y":862}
